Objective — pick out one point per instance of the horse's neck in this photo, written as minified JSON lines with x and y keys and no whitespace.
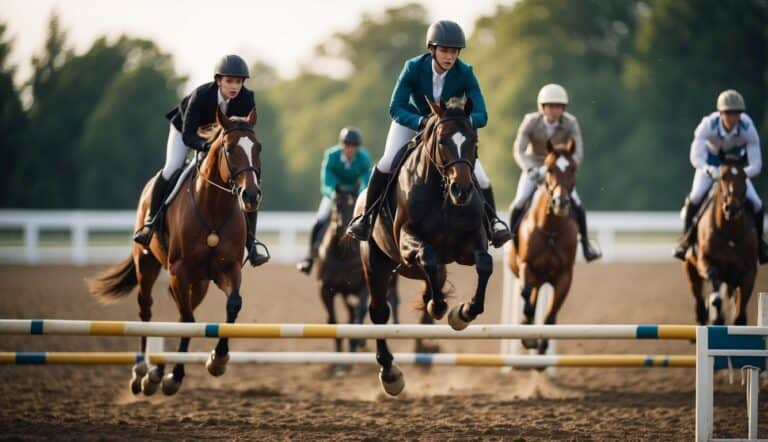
{"x":214,"y":202}
{"x":545,"y":220}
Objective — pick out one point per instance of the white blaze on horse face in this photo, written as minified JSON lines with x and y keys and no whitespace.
{"x":247,"y":144}
{"x":734,"y":171}
{"x":562,"y":163}
{"x":458,"y":139}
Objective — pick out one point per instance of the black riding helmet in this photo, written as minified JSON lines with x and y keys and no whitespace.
{"x":231,"y":66}
{"x":446,"y":33}
{"x":350,"y":135}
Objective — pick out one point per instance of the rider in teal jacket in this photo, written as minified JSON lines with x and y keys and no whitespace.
{"x":438,"y":75}
{"x":346,"y":166}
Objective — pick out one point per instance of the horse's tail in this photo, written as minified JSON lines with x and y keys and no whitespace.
{"x":114,"y":282}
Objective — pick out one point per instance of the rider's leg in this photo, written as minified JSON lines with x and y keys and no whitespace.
{"x":175,"y":153}
{"x":526,"y":185}
{"x":701,"y":185}
{"x":321,"y":219}
{"x":499,"y":233}
{"x":398,"y":135}
{"x":759,"y":214}
{"x":590,"y":254}
{"x":255,"y":257}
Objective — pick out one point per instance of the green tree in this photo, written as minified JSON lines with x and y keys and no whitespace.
{"x":687,"y":52}
{"x":124,"y":135}
{"x":12,"y":124}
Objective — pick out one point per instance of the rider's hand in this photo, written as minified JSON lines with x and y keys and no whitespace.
{"x":422,"y":123}
{"x":537,"y":173}
{"x":713,"y":172}
{"x":205,"y":147}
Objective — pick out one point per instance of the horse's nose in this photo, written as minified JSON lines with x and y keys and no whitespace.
{"x":456,"y":191}
{"x":251,"y":199}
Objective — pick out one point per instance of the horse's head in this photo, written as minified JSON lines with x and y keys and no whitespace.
{"x":732,"y":187}
{"x":343,"y":207}
{"x":561,"y":177}
{"x":452,"y":145}
{"x":239,"y":158}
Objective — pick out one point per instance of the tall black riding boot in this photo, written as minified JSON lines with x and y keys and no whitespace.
{"x":689,"y":211}
{"x":499,"y":233}
{"x":590,"y":254}
{"x":252,"y":244}
{"x":305,"y":266}
{"x":762,"y":247}
{"x":143,"y":236}
{"x":515,"y":216}
{"x":360,"y":227}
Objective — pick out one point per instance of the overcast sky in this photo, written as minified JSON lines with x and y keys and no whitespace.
{"x":197,"y":32}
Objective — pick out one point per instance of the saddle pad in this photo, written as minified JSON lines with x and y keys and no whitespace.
{"x":179,"y":181}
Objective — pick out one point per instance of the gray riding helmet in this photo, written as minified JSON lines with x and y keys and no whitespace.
{"x":446,"y":33}
{"x":232,"y":66}
{"x":350,"y":135}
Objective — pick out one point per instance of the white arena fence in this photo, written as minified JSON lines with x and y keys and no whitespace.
{"x":622,"y":236}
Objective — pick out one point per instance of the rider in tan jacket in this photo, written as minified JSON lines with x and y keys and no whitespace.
{"x":550,"y":123}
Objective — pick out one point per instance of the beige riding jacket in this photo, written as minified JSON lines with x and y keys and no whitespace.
{"x":531,"y":141}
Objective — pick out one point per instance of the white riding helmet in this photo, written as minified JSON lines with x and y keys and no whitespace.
{"x":730,"y":100}
{"x":552,"y":94}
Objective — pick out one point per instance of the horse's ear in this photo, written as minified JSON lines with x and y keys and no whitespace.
{"x":252,"y":117}
{"x":468,"y":107}
{"x":222,"y":119}
{"x":571,"y":146}
{"x":434,"y":107}
{"x":550,"y":146}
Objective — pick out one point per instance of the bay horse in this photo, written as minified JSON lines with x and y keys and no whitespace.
{"x":438,"y":218}
{"x":725,"y":249}
{"x":202,"y":240}
{"x":548,"y":236}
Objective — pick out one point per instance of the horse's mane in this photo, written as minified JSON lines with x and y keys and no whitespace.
{"x":210,"y":132}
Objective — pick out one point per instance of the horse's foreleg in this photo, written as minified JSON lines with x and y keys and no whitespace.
{"x":715,"y":298}
{"x":327,"y":295}
{"x":561,"y":287}
{"x":417,"y":252}
{"x":172,"y":381}
{"x":461,"y":315}
{"x":529,"y":293}
{"x":217,"y":362}
{"x":394,"y":298}
{"x":378,"y":267}
{"x":744,"y":293}
{"x":697,"y":289}
{"x":357,"y":316}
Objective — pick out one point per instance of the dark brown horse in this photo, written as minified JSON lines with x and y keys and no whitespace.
{"x":725,"y":250}
{"x":203,"y":240}
{"x":548,"y":236}
{"x":437,"y":219}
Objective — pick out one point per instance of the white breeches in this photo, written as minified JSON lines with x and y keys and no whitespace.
{"x":398,"y":135}
{"x":175,"y":153}
{"x":527,"y":185}
{"x":703,"y":182}
{"x":324,"y":211}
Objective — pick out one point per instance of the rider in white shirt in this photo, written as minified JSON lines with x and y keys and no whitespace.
{"x":728,"y":133}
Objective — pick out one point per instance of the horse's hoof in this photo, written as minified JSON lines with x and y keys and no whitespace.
{"x":530,"y":343}
{"x":151,"y":381}
{"x":455,"y":319}
{"x":217,"y":365}
{"x":436,"y":311}
{"x":139,"y":370}
{"x":392,"y":381}
{"x":170,"y":385}
{"x":543,"y":346}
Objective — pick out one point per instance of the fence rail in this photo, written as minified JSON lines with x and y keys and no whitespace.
{"x":288,"y":227}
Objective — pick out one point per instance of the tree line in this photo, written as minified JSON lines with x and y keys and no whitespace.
{"x":640,"y":75}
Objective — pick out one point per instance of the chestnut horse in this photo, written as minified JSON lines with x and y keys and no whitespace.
{"x":548,"y":236}
{"x":438,"y":218}
{"x":725,"y":249}
{"x":202,"y":240}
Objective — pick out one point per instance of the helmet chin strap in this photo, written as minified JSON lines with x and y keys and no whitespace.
{"x":433,"y":50}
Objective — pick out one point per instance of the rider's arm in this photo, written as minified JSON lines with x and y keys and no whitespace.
{"x":327,"y":178}
{"x":578,"y":143}
{"x":699,"y":145}
{"x":479,"y":116}
{"x":521,"y":143}
{"x":754,"y":157}
{"x":400,"y":108}
{"x":191,"y":122}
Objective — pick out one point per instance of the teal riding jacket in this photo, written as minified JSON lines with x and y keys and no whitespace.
{"x":337,"y":172}
{"x":408,"y":104}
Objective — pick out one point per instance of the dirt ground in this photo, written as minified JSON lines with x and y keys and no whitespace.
{"x":307,"y":402}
